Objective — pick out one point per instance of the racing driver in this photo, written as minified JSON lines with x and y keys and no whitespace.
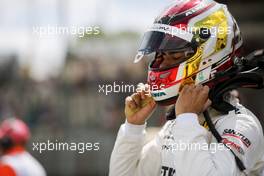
{"x":14,"y":159}
{"x":192,"y":43}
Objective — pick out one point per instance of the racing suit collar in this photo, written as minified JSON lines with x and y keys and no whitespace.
{"x":15,"y":150}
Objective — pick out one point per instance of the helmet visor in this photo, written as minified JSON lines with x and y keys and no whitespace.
{"x":154,"y":41}
{"x":162,"y":37}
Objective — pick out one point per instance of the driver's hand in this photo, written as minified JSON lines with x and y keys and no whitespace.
{"x":192,"y":99}
{"x":139,"y":106}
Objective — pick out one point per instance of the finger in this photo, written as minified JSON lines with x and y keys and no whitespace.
{"x":140,"y":87}
{"x":198,"y":89}
{"x":206,"y":89}
{"x":152,"y":103}
{"x":147,"y":88}
{"x":204,"y":94}
{"x":142,"y":95}
{"x":136,"y":97}
{"x":207,"y":104}
{"x":143,"y":87}
{"x":191,"y":88}
{"x":148,"y":109}
{"x":146,"y":91}
{"x":184,"y":89}
{"x":130,"y":102}
{"x":140,"y":90}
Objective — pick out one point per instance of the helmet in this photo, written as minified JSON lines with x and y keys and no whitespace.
{"x":14,"y":130}
{"x":204,"y":31}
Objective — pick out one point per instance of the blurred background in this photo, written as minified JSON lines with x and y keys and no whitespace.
{"x":52,"y":81}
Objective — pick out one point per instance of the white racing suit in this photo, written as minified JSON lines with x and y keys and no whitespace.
{"x":22,"y":164}
{"x":185,"y":148}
